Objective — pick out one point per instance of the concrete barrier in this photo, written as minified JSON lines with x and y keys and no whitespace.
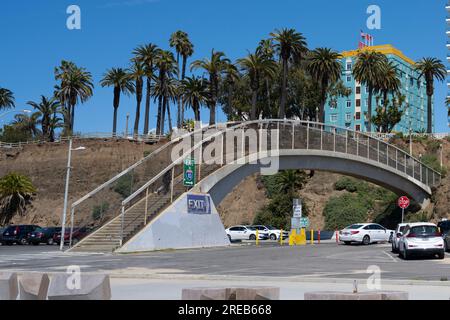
{"x":33,"y":286}
{"x":8,"y":286}
{"x":89,"y":287}
{"x":370,"y":295}
{"x":234,"y":293}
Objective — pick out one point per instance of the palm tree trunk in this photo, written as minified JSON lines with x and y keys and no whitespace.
{"x":138,"y":111}
{"x":72,"y":118}
{"x":230,"y":102}
{"x":116,"y":103}
{"x":158,"y":119}
{"x":429,"y":114}
{"x":163,"y":115}
{"x":282,"y":110}
{"x":168,"y":116}
{"x":254,"y":99}
{"x":268,"y":96}
{"x":196,"y":108}
{"x":212,"y":113}
{"x":147,"y":107}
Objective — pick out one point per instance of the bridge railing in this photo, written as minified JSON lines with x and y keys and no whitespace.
{"x":289,"y":134}
{"x":102,"y":204}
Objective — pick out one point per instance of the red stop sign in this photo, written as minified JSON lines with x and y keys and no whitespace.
{"x":403,"y":202}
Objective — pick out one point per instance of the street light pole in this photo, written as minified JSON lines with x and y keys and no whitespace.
{"x":126,"y":127}
{"x":66,"y":194}
{"x":12,"y":111}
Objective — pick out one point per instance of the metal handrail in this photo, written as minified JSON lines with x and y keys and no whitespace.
{"x":311,"y":124}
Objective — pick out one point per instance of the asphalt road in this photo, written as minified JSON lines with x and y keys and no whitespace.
{"x":269,"y":260}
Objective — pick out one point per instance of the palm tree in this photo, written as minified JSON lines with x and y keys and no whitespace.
{"x":122,"y":83}
{"x":187,"y":50}
{"x":290,"y":45}
{"x":231,"y":77}
{"x":47,"y":109}
{"x":215,"y":66}
{"x":147,"y":54}
{"x":137,"y":74}
{"x":76,"y":86}
{"x":368,"y":70}
{"x":166,"y":65}
{"x":266,"y":49}
{"x":254,"y":66}
{"x":389,"y":82}
{"x":325,"y":69}
{"x":194,"y":93}
{"x":16,"y":192}
{"x":27,"y":123}
{"x":6,"y":99}
{"x":289,"y":181}
{"x":430,"y":69}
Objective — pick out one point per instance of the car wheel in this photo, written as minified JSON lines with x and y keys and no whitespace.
{"x":347,"y":243}
{"x":35,"y":243}
{"x":229,"y":237}
{"x":50,"y":241}
{"x":252,"y":237}
{"x":9,"y":243}
{"x":273,"y":237}
{"x":22,"y":241}
{"x":405,"y":254}
{"x":366,"y":240}
{"x":441,"y":255}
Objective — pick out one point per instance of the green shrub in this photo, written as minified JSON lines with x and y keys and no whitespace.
{"x":433,"y":146}
{"x":433,"y":162}
{"x":99,"y":210}
{"x":124,"y":185}
{"x":347,"y":184}
{"x":345,"y":210}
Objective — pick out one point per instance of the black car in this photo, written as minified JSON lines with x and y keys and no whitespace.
{"x":444,"y":227}
{"x":1,"y":235}
{"x":43,"y":235}
{"x":17,"y":234}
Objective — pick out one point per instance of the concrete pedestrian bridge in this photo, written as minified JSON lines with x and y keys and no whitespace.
{"x":227,"y":153}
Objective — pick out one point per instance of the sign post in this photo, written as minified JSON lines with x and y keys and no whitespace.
{"x":403,"y":203}
{"x":189,"y":172}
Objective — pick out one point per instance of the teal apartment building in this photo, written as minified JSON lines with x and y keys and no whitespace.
{"x":351,"y":112}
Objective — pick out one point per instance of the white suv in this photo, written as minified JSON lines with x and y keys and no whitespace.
{"x":244,"y":233}
{"x":421,"y":238}
{"x":397,"y":235}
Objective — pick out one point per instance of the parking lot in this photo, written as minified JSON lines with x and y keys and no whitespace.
{"x":325,"y":261}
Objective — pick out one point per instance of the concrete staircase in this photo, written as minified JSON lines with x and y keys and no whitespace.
{"x":108,"y":237}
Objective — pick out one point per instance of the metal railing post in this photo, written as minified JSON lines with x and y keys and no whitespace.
{"x":293,"y":135}
{"x":346,"y":141}
{"x":321,"y":137}
{"x":396,"y":159}
{"x":426,"y":176}
{"x":387,"y":154}
{"x":357,"y":144}
{"x":406,"y":162}
{"x":334,"y":140}
{"x":146,"y":207}
{"x":122,"y":225}
{"x":307,"y":136}
{"x":368,"y":147}
{"x":378,"y":151}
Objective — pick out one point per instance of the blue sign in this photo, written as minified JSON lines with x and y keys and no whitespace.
{"x":198,"y":204}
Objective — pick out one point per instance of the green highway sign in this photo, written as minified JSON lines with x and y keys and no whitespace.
{"x":189,"y":172}
{"x":304,"y":222}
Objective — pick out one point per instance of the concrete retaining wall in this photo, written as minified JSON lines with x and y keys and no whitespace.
{"x":175,"y":228}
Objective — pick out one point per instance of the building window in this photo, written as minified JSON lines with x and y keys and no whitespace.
{"x":358,"y":90}
{"x":333,"y":118}
{"x":358,"y":127}
{"x":358,"y":116}
{"x":358,"y":102}
{"x":349,"y":66}
{"x":348,"y":117}
{"x":349,"y":103}
{"x":349,"y":78}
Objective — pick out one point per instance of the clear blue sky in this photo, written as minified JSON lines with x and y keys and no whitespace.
{"x":35,"y":38}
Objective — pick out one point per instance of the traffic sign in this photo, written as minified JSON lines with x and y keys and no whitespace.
{"x":189,"y":173}
{"x":403,"y":202}
{"x":304,"y":222}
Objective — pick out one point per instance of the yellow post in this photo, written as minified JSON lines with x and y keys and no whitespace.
{"x":312,"y":236}
{"x":292,"y":237}
{"x":257,"y":237}
{"x":281,"y":237}
{"x":302,"y":237}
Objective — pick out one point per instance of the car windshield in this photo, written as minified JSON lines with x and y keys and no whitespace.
{"x":424,"y":231}
{"x":10,"y":229}
{"x":40,"y":229}
{"x":354,"y":226}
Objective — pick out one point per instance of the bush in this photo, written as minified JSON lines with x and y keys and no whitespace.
{"x":11,"y":134}
{"x":347,"y":184}
{"x":99,"y":210}
{"x":433,"y":162}
{"x":345,"y":210}
{"x":433,"y":146}
{"x":124,"y":185}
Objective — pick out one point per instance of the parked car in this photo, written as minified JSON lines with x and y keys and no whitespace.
{"x":77,"y":235}
{"x":43,"y":235}
{"x":244,"y":233}
{"x":1,"y":235}
{"x":397,"y":235}
{"x":421,"y":238}
{"x":274,"y":233}
{"x":366,"y":233}
{"x":447,"y":241}
{"x":18,"y":234}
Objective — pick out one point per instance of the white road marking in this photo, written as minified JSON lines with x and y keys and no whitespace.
{"x":390,"y":256}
